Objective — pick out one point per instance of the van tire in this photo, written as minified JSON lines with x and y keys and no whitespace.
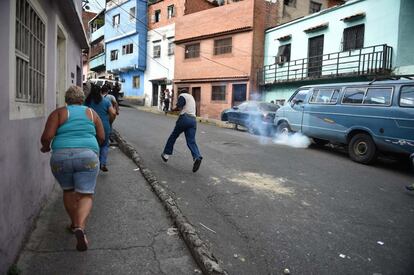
{"x":283,"y":128}
{"x":362,"y":149}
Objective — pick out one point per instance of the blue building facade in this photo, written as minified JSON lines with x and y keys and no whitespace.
{"x":126,"y":43}
{"x":356,"y":41}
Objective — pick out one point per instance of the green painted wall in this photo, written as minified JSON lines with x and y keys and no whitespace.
{"x":405,"y":58}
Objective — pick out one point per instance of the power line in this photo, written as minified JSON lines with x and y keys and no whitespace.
{"x":219,"y":63}
{"x":123,"y":33}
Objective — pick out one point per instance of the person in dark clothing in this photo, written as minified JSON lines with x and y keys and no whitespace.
{"x":411,"y":186}
{"x":166,"y":101}
{"x":115,"y":91}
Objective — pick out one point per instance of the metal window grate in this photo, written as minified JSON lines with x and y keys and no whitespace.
{"x":192,"y":51}
{"x":222,"y":46}
{"x":157,"y":51}
{"x":171,"y":48}
{"x":30,"y":54}
{"x":218,"y":93}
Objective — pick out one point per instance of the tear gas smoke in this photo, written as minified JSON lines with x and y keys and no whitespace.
{"x":296,"y":140}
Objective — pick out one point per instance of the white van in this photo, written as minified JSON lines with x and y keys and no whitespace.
{"x":101,"y":81}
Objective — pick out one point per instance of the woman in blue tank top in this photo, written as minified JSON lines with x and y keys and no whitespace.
{"x":106,"y":112}
{"x":73,"y":133}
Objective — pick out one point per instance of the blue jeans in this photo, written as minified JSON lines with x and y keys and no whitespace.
{"x":103,"y":153}
{"x":75,"y":169}
{"x":188,"y":125}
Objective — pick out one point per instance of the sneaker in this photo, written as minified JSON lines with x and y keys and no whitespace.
{"x":164,"y":157}
{"x":196,"y":165}
{"x":103,"y":168}
{"x":82,"y":242}
{"x":410,"y":187}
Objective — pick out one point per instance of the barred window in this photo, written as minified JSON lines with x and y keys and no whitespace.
{"x":135,"y":82}
{"x":30,"y":54}
{"x":171,"y":48}
{"x":354,"y":37}
{"x":114,"y":55}
{"x":127,"y":49}
{"x":218,"y":93}
{"x":192,"y":51}
{"x":222,"y":46}
{"x":170,"y":11}
{"x":314,"y":7}
{"x":116,"y":20}
{"x":156,"y":51}
{"x":132,"y":14}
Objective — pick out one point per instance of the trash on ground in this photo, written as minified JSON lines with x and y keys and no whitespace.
{"x":235,"y":256}
{"x":197,"y":271}
{"x":286,"y":271}
{"x":208,"y":228}
{"x":342,"y":256}
{"x":380,"y":243}
{"x":172,"y":231}
{"x":242,"y":259}
{"x":136,"y":169}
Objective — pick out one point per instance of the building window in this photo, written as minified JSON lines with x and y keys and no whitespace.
{"x":170,"y":11}
{"x":127,"y":49}
{"x":116,"y":20}
{"x":222,"y":46}
{"x":290,"y":3}
{"x":157,"y":16}
{"x":156,"y":52}
{"x":192,"y":50}
{"x":135,"y":82}
{"x":314,"y":7}
{"x":30,"y":54}
{"x":132,"y":14}
{"x":283,"y":54}
{"x":218,"y":93}
{"x":114,"y":55}
{"x":354,"y":37}
{"x":171,"y":47}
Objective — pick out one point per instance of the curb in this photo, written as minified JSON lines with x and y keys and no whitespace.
{"x":209,"y":121}
{"x":199,"y":249}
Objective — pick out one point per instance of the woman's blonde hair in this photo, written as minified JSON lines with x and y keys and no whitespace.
{"x":74,"y":95}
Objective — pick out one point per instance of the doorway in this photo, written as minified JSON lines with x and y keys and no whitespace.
{"x":60,"y":67}
{"x":315,"y":52}
{"x":154,"y":95}
{"x":239,"y":94}
{"x":196,"y":92}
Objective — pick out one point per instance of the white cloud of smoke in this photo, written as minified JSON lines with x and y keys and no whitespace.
{"x":296,"y":140}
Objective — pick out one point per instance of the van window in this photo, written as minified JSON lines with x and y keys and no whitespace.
{"x":300,"y":95}
{"x":378,"y":96}
{"x":407,"y":96}
{"x":324,"y":96}
{"x":353,"y":96}
{"x":99,"y":82}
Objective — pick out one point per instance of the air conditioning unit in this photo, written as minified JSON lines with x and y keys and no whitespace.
{"x":281,"y":59}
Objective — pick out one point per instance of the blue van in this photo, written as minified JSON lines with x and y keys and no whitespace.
{"x":369,"y":117}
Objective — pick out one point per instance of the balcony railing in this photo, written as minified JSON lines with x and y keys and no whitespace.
{"x":369,"y":61}
{"x":97,"y":34}
{"x":97,"y":63}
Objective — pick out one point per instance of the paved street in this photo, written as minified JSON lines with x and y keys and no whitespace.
{"x":271,"y":207}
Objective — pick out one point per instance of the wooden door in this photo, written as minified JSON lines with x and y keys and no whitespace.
{"x":196,"y":92}
{"x":315,"y":52}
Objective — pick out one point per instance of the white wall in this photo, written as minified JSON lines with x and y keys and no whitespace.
{"x":158,"y":67}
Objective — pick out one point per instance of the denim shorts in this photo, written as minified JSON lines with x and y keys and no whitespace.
{"x":75,"y":169}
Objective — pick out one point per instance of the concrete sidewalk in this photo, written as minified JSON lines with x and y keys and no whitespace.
{"x":129,"y":231}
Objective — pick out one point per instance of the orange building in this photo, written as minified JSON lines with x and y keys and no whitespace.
{"x":218,"y":52}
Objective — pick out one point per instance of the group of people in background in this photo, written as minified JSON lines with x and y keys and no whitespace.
{"x":165,"y":100}
{"x":78,"y":135}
